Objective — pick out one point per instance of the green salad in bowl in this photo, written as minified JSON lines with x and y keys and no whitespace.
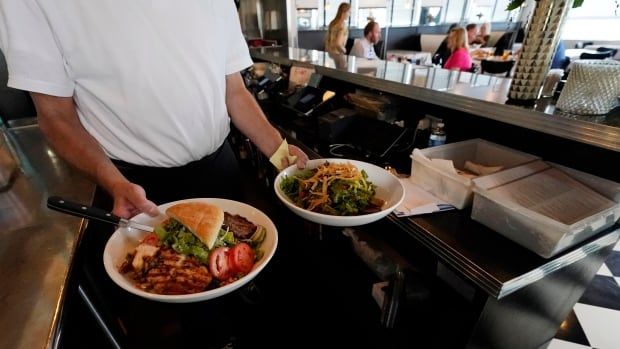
{"x":339,"y":189}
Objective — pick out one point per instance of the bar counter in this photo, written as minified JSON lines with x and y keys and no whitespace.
{"x":36,"y":244}
{"x":316,"y":287}
{"x":316,"y":291}
{"x":497,"y":274}
{"x":472,"y":93}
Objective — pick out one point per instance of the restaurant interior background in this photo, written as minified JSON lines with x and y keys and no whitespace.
{"x":592,"y":322}
{"x":595,"y":21}
{"x":301,"y":23}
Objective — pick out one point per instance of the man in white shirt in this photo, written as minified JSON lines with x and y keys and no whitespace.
{"x":141,"y":85}
{"x":365,"y":47}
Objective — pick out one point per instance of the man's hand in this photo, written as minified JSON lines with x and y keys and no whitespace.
{"x":302,"y":158}
{"x":60,"y":124}
{"x":130,"y":199}
{"x":250,"y":120}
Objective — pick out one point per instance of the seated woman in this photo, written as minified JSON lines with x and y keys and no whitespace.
{"x":443,"y":52}
{"x":457,"y":43}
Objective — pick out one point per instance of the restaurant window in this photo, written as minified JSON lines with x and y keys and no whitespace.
{"x":402,"y":12}
{"x":594,"y":21}
{"x":316,"y":14}
{"x":480,"y":11}
{"x":372,"y":9}
{"x":431,"y":12}
{"x":454,"y":11}
{"x":310,"y":14}
{"x":307,"y":18}
{"x":331,"y":9}
{"x":430,"y":15}
{"x":501,"y":15}
{"x":377,"y":14}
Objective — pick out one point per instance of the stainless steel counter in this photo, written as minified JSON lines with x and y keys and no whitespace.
{"x":477,"y":94}
{"x":36,"y":244}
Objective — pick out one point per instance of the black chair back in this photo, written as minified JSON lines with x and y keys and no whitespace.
{"x":605,"y":49}
{"x":496,"y":67}
{"x":600,"y":55}
{"x":415,"y":43}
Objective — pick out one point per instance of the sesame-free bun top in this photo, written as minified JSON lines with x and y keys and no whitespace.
{"x":202,"y":219}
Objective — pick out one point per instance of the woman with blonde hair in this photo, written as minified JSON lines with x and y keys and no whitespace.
{"x":338,"y":31}
{"x":457,"y":43}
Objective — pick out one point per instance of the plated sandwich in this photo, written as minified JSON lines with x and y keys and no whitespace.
{"x":199,"y":247}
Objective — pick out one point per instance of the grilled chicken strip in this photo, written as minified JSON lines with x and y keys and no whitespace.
{"x":168,"y":272}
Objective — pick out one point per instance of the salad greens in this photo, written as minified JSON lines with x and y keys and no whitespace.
{"x":335,"y":189}
{"x":176,"y":236}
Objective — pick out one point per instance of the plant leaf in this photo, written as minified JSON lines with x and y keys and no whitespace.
{"x":514,"y":4}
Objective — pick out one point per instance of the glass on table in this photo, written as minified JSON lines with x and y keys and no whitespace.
{"x":506,"y":54}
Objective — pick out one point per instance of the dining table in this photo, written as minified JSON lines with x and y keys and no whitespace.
{"x":404,"y":56}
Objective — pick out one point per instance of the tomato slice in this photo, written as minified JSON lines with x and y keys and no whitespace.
{"x":218,"y":263}
{"x":151,"y":239}
{"x":241,"y":258}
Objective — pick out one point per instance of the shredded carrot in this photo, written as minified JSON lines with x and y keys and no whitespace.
{"x":322,"y":179}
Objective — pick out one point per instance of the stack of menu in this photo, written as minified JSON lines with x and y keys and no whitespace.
{"x":554,"y":194}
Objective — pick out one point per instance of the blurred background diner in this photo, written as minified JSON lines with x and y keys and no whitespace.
{"x":338,"y":30}
{"x":472,"y":34}
{"x":413,"y":30}
{"x":484,"y":34}
{"x":459,"y":57}
{"x":364,"y":47}
{"x":312,"y":77}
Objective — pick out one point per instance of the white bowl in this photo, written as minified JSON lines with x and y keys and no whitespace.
{"x":389,"y":188}
{"x":124,"y":241}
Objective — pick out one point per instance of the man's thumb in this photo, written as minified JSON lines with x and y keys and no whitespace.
{"x":138,"y":198}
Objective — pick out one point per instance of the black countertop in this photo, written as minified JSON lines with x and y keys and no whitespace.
{"x":315,"y":292}
{"x":492,"y":262}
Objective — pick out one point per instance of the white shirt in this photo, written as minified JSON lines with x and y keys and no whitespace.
{"x":147,"y":76}
{"x":363,"y":48}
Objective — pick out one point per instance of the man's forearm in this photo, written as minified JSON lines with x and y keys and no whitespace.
{"x":59,"y":123}
{"x":250,"y":120}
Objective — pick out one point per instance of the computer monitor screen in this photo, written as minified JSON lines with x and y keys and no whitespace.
{"x":307,"y":99}
{"x":373,"y":136}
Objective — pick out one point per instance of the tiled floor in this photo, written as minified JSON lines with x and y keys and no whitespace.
{"x":595,"y":319}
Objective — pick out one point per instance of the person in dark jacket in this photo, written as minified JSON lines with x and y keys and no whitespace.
{"x":504,"y":42}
